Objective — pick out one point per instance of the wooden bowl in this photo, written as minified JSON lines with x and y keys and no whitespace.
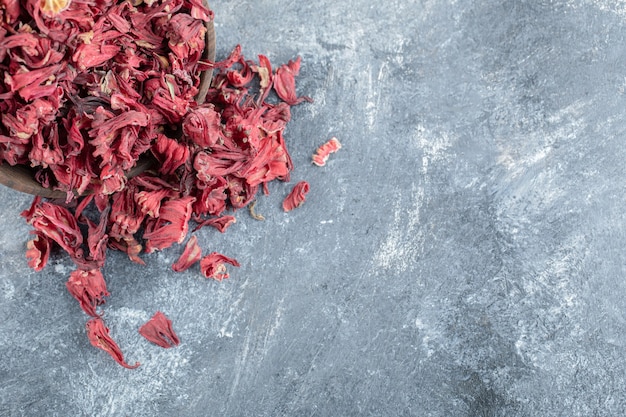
{"x":22,"y":178}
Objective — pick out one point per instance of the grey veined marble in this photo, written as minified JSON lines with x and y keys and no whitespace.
{"x":462,"y":255}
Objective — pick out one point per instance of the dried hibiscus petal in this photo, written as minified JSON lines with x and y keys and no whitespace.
{"x":191,"y":254}
{"x":171,"y":226}
{"x":98,"y":335}
{"x":214,"y":265}
{"x":220,"y":223}
{"x":321,"y":154}
{"x":203,"y":126}
{"x":158,"y":330}
{"x":38,"y":251}
{"x":285,"y":83}
{"x":296,"y":197}
{"x":58,"y":224}
{"x":88,"y":288}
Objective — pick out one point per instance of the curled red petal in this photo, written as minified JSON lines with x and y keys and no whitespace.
{"x":191,"y":254}
{"x":203,"y":126}
{"x":214,"y":265}
{"x":38,"y":251}
{"x":296,"y":197}
{"x":220,"y":223}
{"x":171,"y":226}
{"x":98,"y":335}
{"x":158,"y":330}
{"x":57,"y":223}
{"x":321,"y":154}
{"x":170,"y":153}
{"x":285,"y":83}
{"x":88,"y":288}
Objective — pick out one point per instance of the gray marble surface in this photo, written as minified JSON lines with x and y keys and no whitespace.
{"x":463,"y":255}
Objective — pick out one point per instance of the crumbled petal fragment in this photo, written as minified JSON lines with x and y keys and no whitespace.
{"x":158,"y":330}
{"x":321,"y":154}
{"x":296,"y":197}
{"x":191,"y":254}
{"x":214,"y":265}
{"x":88,"y":288}
{"x":98,"y":335}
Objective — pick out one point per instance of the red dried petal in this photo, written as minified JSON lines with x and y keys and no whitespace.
{"x":220,"y":223}
{"x":170,"y":154}
{"x":150,"y":201}
{"x":321,"y":154}
{"x":57,"y":223}
{"x":240,"y":77}
{"x":296,"y":197}
{"x":158,"y":330}
{"x":38,"y":251}
{"x":126,"y":216}
{"x":171,"y":226}
{"x":98,"y":335}
{"x":191,"y":254}
{"x":214,"y":266}
{"x":264,"y":70}
{"x":88,"y":288}
{"x":97,"y":239}
{"x":285,"y":83}
{"x":203,"y":126}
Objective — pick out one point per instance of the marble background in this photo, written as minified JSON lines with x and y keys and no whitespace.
{"x":462,"y":255}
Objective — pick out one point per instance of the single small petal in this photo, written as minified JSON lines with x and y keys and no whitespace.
{"x":171,"y":226}
{"x":38,"y":251}
{"x":296,"y":197}
{"x":220,"y":223}
{"x":214,"y":266}
{"x":321,"y":154}
{"x":98,"y":335}
{"x":159,"y":330}
{"x":191,"y":254}
{"x":88,"y":288}
{"x":285,"y":83}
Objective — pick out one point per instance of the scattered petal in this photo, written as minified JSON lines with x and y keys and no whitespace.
{"x":98,"y":335}
{"x":38,"y":251}
{"x":296,"y":197}
{"x":214,"y":266}
{"x":88,"y":288}
{"x":321,"y":154}
{"x":158,"y":330}
{"x":191,"y":254}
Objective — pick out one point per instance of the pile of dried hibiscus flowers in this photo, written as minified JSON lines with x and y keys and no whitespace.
{"x":91,"y":88}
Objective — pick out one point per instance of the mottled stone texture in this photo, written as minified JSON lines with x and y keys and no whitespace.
{"x":462,"y":255}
